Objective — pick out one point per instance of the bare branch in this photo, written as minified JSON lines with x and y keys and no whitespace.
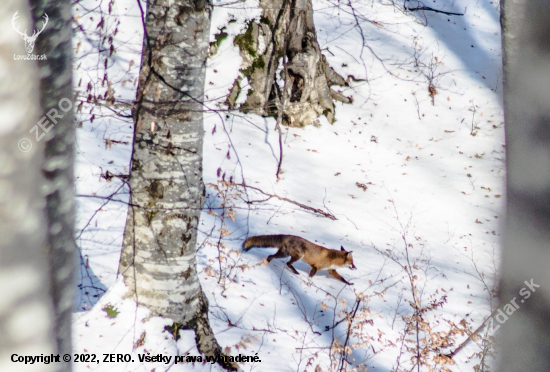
{"x":303,"y":206}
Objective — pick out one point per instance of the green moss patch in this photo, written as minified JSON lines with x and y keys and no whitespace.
{"x":111,"y":311}
{"x":257,"y":63}
{"x":245,"y":41}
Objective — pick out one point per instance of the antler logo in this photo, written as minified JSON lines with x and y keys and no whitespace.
{"x":29,"y":40}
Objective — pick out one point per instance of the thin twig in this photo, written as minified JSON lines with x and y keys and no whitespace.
{"x":281,"y":103}
{"x":433,"y":10}
{"x":350,"y":323}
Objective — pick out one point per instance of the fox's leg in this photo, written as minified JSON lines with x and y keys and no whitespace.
{"x":337,"y":276}
{"x":279,"y":254}
{"x":313,"y":271}
{"x":289,"y":264}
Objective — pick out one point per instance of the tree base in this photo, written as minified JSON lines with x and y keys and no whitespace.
{"x":285,"y":37}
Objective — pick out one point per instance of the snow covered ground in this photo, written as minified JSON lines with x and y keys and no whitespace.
{"x":416,"y":189}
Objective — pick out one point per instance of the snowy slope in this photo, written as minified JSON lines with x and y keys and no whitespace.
{"x":417,"y":191}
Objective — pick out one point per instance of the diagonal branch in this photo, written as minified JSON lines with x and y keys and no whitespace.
{"x":423,"y":7}
{"x":303,"y":206}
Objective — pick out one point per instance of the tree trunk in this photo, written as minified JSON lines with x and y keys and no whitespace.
{"x":167,"y":190}
{"x":285,"y":37}
{"x":36,"y":191}
{"x":56,"y":97}
{"x":524,"y":333}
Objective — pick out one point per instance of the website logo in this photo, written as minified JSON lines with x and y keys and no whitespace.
{"x":29,"y":40}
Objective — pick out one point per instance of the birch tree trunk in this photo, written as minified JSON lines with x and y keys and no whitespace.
{"x":285,"y":40}
{"x":525,"y":340}
{"x":57,"y":116}
{"x":167,"y":190}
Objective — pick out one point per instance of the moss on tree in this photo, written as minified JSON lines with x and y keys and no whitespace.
{"x":245,"y":41}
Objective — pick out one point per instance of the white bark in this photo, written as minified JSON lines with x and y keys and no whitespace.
{"x":26,"y":308}
{"x":167,"y":190}
{"x":158,"y":258}
{"x":524,"y":337}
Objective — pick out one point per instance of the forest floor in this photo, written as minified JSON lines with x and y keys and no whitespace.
{"x":415,"y":183}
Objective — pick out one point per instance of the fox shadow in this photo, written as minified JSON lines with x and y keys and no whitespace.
{"x":323,"y":322}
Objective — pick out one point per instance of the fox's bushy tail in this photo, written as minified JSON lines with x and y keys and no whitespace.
{"x":263,"y":241}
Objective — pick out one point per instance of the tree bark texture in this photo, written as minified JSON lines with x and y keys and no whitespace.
{"x":26,"y":306}
{"x":524,"y":337}
{"x":56,"y":101}
{"x":167,"y":190}
{"x":284,"y":42}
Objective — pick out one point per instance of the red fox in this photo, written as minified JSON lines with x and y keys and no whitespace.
{"x":319,"y":258}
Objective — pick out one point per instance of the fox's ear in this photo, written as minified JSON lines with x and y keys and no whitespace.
{"x":342,"y":248}
{"x":349,"y":253}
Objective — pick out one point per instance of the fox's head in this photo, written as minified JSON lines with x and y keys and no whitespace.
{"x":348,"y":258}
